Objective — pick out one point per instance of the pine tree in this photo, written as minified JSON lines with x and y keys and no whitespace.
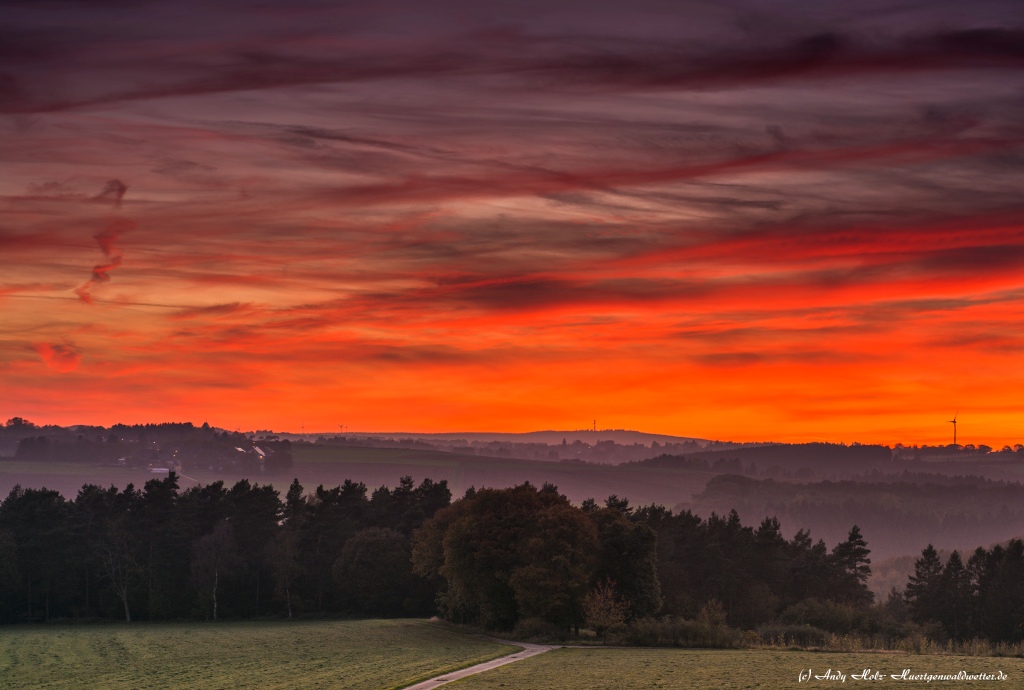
{"x":924,"y":586}
{"x":956,"y":597}
{"x":851,"y":557}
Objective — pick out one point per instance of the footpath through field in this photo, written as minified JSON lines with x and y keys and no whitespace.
{"x":527,"y":651}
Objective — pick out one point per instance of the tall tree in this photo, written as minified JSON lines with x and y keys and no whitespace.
{"x":556,"y":562}
{"x":1005,"y":593}
{"x":956,"y":599}
{"x":285,"y":548}
{"x":285,"y":565}
{"x":38,"y":520}
{"x":924,"y":586}
{"x":112,"y":536}
{"x":504,"y":553}
{"x":374,"y":573}
{"x":165,"y":551}
{"x":853,"y":569}
{"x":214,"y":557}
{"x":255,"y":512}
{"x":10,"y":578}
{"x":627,"y":554}
{"x":333,"y":517}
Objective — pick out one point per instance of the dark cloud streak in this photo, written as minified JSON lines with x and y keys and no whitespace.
{"x":527,"y":61}
{"x":107,"y":240}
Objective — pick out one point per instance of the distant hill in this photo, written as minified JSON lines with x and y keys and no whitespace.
{"x":778,"y":458}
{"x":550,"y":437}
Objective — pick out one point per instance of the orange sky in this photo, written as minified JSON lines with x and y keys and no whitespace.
{"x":517,"y":236}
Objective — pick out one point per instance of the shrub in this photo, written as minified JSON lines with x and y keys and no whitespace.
{"x":604,"y":609}
{"x":537,"y":629}
{"x":827,"y":615}
{"x":677,"y":632}
{"x":783,"y":635}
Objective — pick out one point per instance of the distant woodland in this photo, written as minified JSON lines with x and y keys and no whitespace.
{"x":204,"y":446}
{"x":192,"y":447}
{"x":500,"y":558}
{"x":169,"y":445}
{"x":810,"y":461}
{"x":910,"y":510}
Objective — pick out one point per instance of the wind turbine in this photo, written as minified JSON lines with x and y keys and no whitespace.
{"x":953,"y":422}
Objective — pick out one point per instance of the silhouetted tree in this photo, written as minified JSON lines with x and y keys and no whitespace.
{"x":333,"y":517}
{"x":556,"y":562}
{"x":38,"y":521}
{"x":853,"y":569}
{"x":374,"y":573}
{"x":924,"y":587}
{"x":165,"y":552}
{"x":627,"y":554}
{"x":214,"y":557}
{"x":505,"y":553}
{"x":955,"y":595}
{"x":284,"y":550}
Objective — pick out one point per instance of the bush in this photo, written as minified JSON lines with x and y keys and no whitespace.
{"x":827,"y":615}
{"x":538,"y":630}
{"x":782,"y":635}
{"x":676,"y":632}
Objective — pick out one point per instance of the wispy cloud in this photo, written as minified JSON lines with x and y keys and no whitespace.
{"x":106,"y":240}
{"x":60,"y":357}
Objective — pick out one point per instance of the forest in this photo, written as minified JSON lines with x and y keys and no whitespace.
{"x":900,"y":512}
{"x":498,"y":558}
{"x":982,"y":598}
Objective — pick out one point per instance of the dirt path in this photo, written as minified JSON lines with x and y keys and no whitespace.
{"x":527,"y":651}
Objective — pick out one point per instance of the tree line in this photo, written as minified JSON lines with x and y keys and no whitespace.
{"x":776,"y":459}
{"x":496,"y":557}
{"x":897,"y":511}
{"x":983,"y":597}
{"x":159,"y":553}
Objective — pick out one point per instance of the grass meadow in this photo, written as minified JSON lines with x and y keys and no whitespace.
{"x":676,"y":669}
{"x":363,"y":655}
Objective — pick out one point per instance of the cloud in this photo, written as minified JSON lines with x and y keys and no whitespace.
{"x":215,"y":310}
{"x":732,"y":359}
{"x":254,"y":57}
{"x":6,"y":290}
{"x":544,"y":182}
{"x":113,"y":192}
{"x":818,"y":56}
{"x":63,"y":358}
{"x":107,"y":241}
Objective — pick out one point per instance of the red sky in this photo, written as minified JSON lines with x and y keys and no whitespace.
{"x":738,"y":220}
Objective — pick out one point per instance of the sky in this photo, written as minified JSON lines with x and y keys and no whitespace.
{"x":740,"y":219}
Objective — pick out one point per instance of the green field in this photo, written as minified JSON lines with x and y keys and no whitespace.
{"x":676,"y":669}
{"x":370,"y":655}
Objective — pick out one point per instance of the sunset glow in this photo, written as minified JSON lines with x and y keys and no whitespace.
{"x":707,"y":221}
